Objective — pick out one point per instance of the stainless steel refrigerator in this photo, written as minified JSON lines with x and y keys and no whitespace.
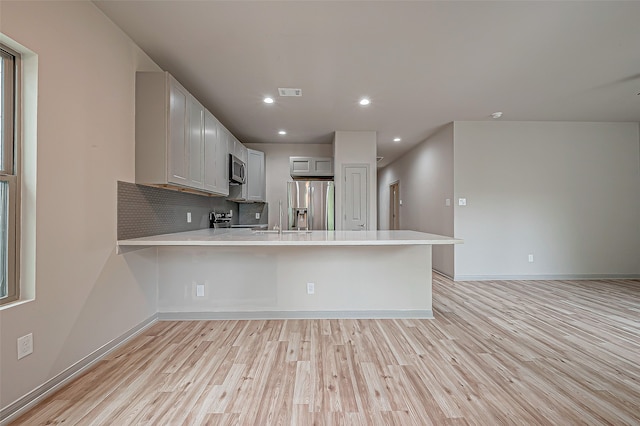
{"x":311,"y":205}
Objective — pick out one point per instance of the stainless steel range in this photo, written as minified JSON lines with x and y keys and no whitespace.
{"x":219,"y":220}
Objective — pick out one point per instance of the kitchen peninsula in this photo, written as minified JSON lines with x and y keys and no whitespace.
{"x":241,"y":273}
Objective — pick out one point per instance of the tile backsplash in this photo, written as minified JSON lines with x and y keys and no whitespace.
{"x":247,"y":214}
{"x":145,"y":210}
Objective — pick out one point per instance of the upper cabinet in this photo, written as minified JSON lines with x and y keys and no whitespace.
{"x":216,"y":164}
{"x":195,"y":140}
{"x":177,"y":139}
{"x":305,"y":167}
{"x":236,"y":148}
{"x":256,"y":182}
{"x":241,"y":151}
{"x":254,"y":190}
{"x":149,"y":132}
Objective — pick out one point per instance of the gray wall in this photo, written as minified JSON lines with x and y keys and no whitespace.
{"x":425,"y":174}
{"x":81,"y":145}
{"x":568,"y":193}
{"x":277,"y":170}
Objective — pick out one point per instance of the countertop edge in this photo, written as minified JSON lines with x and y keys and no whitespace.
{"x":245,"y":238}
{"x":125,"y":243}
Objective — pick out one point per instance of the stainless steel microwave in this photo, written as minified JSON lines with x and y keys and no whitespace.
{"x":237,"y":170}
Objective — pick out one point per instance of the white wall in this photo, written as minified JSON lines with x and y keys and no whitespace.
{"x":355,"y":147}
{"x":568,"y":193}
{"x":86,"y":295}
{"x":277,"y":166}
{"x":425,"y":175}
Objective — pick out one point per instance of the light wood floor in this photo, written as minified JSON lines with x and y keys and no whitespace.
{"x":506,"y":352}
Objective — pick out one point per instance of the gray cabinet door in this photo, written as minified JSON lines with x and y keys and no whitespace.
{"x":195,"y":113}
{"x":256,"y":176}
{"x":241,"y":151}
{"x":215,"y":156}
{"x":311,"y":167}
{"x":178,"y":149}
{"x":356,"y":199}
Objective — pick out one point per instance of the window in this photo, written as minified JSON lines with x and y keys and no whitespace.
{"x":9,"y":179}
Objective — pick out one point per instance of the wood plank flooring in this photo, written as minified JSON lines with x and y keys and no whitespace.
{"x":497,"y":352}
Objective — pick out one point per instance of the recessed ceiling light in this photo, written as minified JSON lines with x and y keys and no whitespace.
{"x":496,"y":115}
{"x":397,"y":139}
{"x":282,"y":132}
{"x":268,"y":100}
{"x":364,"y":101}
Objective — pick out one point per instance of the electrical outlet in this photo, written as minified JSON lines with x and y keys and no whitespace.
{"x":188,"y":217}
{"x":257,"y":216}
{"x":311,"y":288}
{"x":530,"y":258}
{"x":200,"y":290}
{"x":25,"y":345}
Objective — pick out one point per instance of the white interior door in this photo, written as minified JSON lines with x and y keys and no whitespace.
{"x":356,"y":197}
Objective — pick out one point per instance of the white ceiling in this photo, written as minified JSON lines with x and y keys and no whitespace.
{"x":423,"y":64}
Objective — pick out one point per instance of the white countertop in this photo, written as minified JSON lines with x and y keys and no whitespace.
{"x":247,"y":237}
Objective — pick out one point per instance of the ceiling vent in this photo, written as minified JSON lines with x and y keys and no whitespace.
{"x":378,"y":159}
{"x":289,"y":92}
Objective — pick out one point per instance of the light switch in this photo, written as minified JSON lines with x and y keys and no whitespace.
{"x":462,"y":201}
{"x":400,"y":202}
{"x":257,"y":215}
{"x":447,"y":202}
{"x":188,"y":217}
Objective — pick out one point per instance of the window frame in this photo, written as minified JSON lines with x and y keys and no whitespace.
{"x":10,"y":166}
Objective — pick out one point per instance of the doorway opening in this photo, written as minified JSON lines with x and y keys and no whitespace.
{"x":394,"y":205}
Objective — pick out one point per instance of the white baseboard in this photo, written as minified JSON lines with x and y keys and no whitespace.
{"x":261,"y":315}
{"x":546,"y":277}
{"x":436,"y":272}
{"x":22,"y":405}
